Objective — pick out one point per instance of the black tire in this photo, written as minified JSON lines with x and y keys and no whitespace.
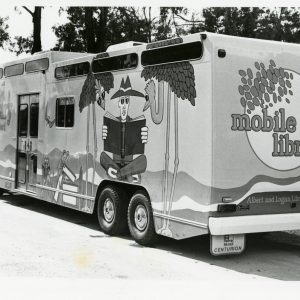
{"x":144,"y":236}
{"x":3,"y":191}
{"x":118,"y":198}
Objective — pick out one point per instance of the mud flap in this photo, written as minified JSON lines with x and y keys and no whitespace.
{"x":227,"y":244}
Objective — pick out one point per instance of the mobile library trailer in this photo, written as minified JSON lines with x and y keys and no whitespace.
{"x":183,"y":137}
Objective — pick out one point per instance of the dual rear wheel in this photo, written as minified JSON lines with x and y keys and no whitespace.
{"x":115,"y":216}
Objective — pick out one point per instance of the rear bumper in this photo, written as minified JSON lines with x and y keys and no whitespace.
{"x":259,"y":223}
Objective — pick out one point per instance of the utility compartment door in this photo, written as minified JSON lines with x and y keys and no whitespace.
{"x":28,"y":114}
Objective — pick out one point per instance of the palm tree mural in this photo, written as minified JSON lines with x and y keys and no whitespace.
{"x":180,"y":81}
{"x":47,"y":118}
{"x":5,"y":110}
{"x":94,"y":89}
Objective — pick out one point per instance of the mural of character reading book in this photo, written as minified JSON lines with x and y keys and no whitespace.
{"x":125,"y":138}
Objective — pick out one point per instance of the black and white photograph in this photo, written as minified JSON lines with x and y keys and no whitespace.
{"x":149,"y":151}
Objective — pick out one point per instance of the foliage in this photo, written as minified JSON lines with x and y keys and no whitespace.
{"x":280,"y":24}
{"x":93,"y":29}
{"x":21,"y":44}
{"x":106,"y":80}
{"x":83,"y":32}
{"x":170,"y":23}
{"x":32,"y":43}
{"x":88,"y":93}
{"x":4,"y":36}
{"x":180,"y":77}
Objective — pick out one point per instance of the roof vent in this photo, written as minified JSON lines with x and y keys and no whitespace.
{"x":123,"y":46}
{"x":42,"y":52}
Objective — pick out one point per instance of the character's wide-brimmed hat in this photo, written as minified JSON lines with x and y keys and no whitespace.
{"x":126,"y":90}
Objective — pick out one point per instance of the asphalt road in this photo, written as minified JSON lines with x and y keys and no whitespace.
{"x":44,"y":240}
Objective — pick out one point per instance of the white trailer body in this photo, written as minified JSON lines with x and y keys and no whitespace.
{"x":205,"y":125}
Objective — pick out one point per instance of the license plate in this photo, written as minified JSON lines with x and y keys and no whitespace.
{"x":227,"y":244}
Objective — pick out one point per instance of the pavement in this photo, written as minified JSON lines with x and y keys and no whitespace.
{"x":39,"y":239}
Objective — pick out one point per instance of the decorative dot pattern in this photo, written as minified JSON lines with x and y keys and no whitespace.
{"x":261,"y":87}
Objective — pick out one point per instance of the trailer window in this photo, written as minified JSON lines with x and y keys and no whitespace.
{"x":14,"y":70}
{"x":1,"y":73}
{"x":174,"y":53}
{"x":37,"y":65}
{"x":72,"y":70}
{"x":23,"y":119}
{"x":65,"y":112}
{"x":34,"y":119}
{"x":115,"y":63}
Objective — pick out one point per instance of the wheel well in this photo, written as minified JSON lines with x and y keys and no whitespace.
{"x":130,"y":189}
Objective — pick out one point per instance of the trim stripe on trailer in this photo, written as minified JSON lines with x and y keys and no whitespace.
{"x":260,"y":187}
{"x":180,"y":220}
{"x":7,"y":178}
{"x":255,"y":223}
{"x":64,"y":192}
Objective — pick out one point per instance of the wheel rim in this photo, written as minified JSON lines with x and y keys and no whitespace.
{"x":140,"y":217}
{"x":108,"y":210}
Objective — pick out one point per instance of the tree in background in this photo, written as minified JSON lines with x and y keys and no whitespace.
{"x":84,"y":32}
{"x":172,"y":22}
{"x":36,"y":20}
{"x":279,"y":24}
{"x":231,"y":20}
{"x":93,"y":29}
{"x":282,"y":24}
{"x":21,"y":44}
{"x":32,"y":43}
{"x":4,"y":36}
{"x":129,"y":24}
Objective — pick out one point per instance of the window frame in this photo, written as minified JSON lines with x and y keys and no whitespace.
{"x":19,"y":123}
{"x":38,"y":70}
{"x":69,"y":66}
{"x":170,"y":47}
{"x":30,"y":114}
{"x":112,"y":57}
{"x":13,"y":66}
{"x":56,"y":119}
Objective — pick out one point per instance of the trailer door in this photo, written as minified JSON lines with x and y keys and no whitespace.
{"x":28,"y":112}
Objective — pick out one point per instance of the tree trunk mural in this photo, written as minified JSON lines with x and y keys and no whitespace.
{"x":180,"y":80}
{"x":94,"y":89}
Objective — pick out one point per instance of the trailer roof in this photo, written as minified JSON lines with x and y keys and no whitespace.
{"x":218,"y":36}
{"x":54,"y":56}
{"x":64,"y":56}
